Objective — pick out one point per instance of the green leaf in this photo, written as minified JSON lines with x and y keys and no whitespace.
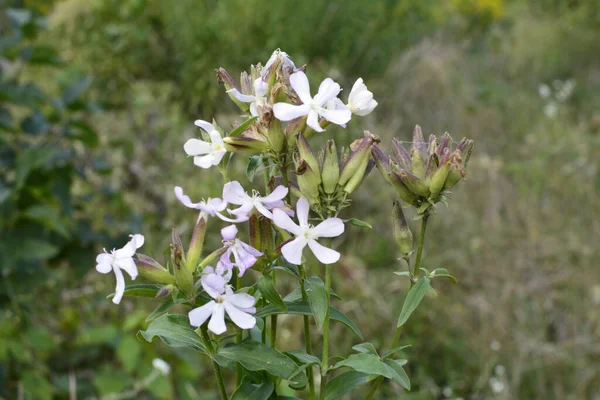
{"x":442,"y":272}
{"x":253,"y":164}
{"x":402,"y":273}
{"x":129,"y":352}
{"x":175,"y":331}
{"x":49,"y":217}
{"x":303,"y":308}
{"x":399,"y":375}
{"x":296,"y":295}
{"x":73,"y":92}
{"x":256,"y":356}
{"x":367,"y":363}
{"x":344,"y":383}
{"x":248,"y":391}
{"x":141,"y":290}
{"x":35,"y":124}
{"x":242,"y":127}
{"x":303,"y":357}
{"x":414,"y":297}
{"x":35,"y":250}
{"x":358,"y":222}
{"x":366,"y":348}
{"x":317,"y":298}
{"x":79,"y":130}
{"x":267,"y":289}
{"x":395,"y":350}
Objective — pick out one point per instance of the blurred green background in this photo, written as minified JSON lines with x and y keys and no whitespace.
{"x":97,"y":98}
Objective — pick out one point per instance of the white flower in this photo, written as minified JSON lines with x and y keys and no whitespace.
{"x":286,"y":62}
{"x":336,"y":104}
{"x":211,"y":207}
{"x":360,"y":100}
{"x":544,"y":91}
{"x":238,"y":306}
{"x":234,"y":193}
{"x":244,"y":255}
{"x":313,"y":107}
{"x":206,"y":154}
{"x":258,"y":99}
{"x":308,"y":234}
{"x":161,"y":366}
{"x":121,"y":259}
{"x":214,"y":281}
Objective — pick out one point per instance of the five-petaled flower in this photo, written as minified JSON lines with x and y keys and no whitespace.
{"x":244,"y":255}
{"x":234,"y":193}
{"x":307,"y":234}
{"x":239,"y":306}
{"x":313,"y":107}
{"x":121,"y":259}
{"x":206,"y":154}
{"x":360,"y":99}
{"x":210,"y":207}
{"x":258,"y":99}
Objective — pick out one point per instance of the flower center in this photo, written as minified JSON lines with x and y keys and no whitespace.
{"x":220,"y":299}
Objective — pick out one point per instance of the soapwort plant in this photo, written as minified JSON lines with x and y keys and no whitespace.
{"x":230,"y":294}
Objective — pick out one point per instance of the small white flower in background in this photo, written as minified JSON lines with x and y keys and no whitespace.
{"x":307,"y":234}
{"x":206,"y":154}
{"x":496,"y":384}
{"x":312,"y":107}
{"x":118,"y":260}
{"x":551,"y":109}
{"x":238,"y":306}
{"x":244,"y":255}
{"x":211,"y":207}
{"x":544,"y":91}
{"x":161,"y":366}
{"x":234,"y":193}
{"x":447,"y":392}
{"x":360,"y":100}
{"x":258,"y":99}
{"x":495,"y":345}
{"x":499,"y":370}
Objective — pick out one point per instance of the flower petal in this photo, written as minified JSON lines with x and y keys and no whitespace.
{"x":302,"y":211}
{"x":127,"y":264}
{"x":229,"y":232}
{"x":240,"y":318}
{"x":120,"y":288}
{"x":194,"y":147}
{"x":241,"y":300}
{"x":207,"y":126}
{"x":199,"y":315}
{"x":282,"y":220}
{"x":104,"y":263}
{"x":288,"y":112}
{"x":137,"y":240}
{"x":292,"y":251}
{"x":278,"y":194}
{"x":260,"y":87}
{"x":338,"y":116}
{"x":327,"y":91}
{"x":244,"y":98}
{"x":260,"y":207}
{"x":213,"y":284}
{"x":215,"y":137}
{"x":299,"y":83}
{"x":217,"y":321}
{"x":206,"y":161}
{"x":313,"y":121}
{"x":183,"y":198}
{"x":323,"y":254}
{"x":234,"y":193}
{"x":331,"y":227}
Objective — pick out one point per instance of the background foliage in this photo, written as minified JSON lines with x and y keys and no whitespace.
{"x":97,"y":99}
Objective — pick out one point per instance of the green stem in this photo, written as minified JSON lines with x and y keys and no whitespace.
{"x":239,"y":371}
{"x":286,"y":183}
{"x":273,"y":335}
{"x":379,"y":380}
{"x":307,"y":337}
{"x":267,"y":176}
{"x":325,"y":354}
{"x":420,"y":245}
{"x":215,"y":366}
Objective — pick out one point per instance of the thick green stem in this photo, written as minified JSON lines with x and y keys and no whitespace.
{"x":307,"y":337}
{"x":325,"y":353}
{"x":417,"y":265}
{"x":215,"y":366}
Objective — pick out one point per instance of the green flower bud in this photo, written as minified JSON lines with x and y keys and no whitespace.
{"x":308,"y":180}
{"x":307,"y":155}
{"x":196,"y":243}
{"x":418,"y":153}
{"x":437,"y":181}
{"x":382,"y":162}
{"x":266,"y":236}
{"x":275,"y":136}
{"x":416,"y":185}
{"x":330,"y":172}
{"x":402,"y":234}
{"x":151,"y":269}
{"x":357,"y":178}
{"x":245,"y":144}
{"x":183,"y":276}
{"x":164,"y":291}
{"x":359,"y":158}
{"x":403,"y":192}
{"x":254,"y":231}
{"x":226,"y":79}
{"x":292,"y":129}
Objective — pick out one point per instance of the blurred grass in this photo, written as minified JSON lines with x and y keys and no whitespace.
{"x":520,"y":233}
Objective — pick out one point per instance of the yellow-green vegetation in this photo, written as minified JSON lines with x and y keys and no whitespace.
{"x":520,"y":77}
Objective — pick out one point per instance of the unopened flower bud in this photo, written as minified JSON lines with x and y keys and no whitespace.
{"x":382,"y":162}
{"x":245,"y":144}
{"x":402,"y":234}
{"x":164,"y":291}
{"x":226,"y":79}
{"x":437,"y":181}
{"x":359,"y":158}
{"x":151,"y":269}
{"x":330,"y":173}
{"x":275,"y":136}
{"x":418,"y":153}
{"x":416,"y":185}
{"x":292,"y":129}
{"x":403,"y":192}
{"x":196,"y":243}
{"x":183,"y":276}
{"x":266,"y":235}
{"x":308,"y":181}
{"x":307,"y":155}
{"x":400,"y":155}
{"x":246,"y":83}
